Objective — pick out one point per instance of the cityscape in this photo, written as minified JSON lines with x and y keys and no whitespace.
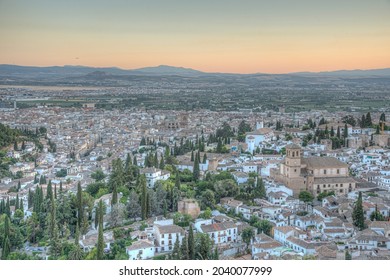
{"x":263,"y":147}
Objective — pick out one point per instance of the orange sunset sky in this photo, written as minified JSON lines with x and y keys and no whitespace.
{"x":245,"y":36}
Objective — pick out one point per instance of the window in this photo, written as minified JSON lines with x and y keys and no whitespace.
{"x":338,"y":171}
{"x":324,"y":171}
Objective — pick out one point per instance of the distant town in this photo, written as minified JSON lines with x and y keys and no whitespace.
{"x":112,"y":172}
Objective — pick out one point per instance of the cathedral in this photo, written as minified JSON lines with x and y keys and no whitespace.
{"x":313,"y":174}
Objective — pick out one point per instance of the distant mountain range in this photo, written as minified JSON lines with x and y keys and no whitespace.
{"x":16,"y":71}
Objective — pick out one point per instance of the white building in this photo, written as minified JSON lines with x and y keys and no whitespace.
{"x":165,"y":236}
{"x":140,"y":250}
{"x":153,"y":175}
{"x":221,"y":232}
{"x":255,"y":138}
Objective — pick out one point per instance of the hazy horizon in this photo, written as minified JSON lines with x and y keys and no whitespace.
{"x":178,"y":66}
{"x":211,"y":36}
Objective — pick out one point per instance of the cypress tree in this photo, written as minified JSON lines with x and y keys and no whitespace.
{"x":162,"y":164}
{"x":17,"y":202}
{"x":49,"y":191}
{"x":345,"y":131}
{"x":191,"y":244}
{"x":176,"y":252}
{"x":6,"y":242}
{"x":7,"y":209}
{"x":331,"y":131}
{"x":358,"y":214}
{"x":19,"y":186}
{"x":77,"y":235}
{"x":96,"y":217}
{"x":21,"y":207}
{"x":30,"y":198}
{"x":6,"y":248}
{"x":55,"y":191}
{"x":135,"y":163}
{"x":260,"y":189}
{"x":55,"y":244}
{"x":100,"y":244}
{"x":2,"y":206}
{"x":61,"y":187}
{"x":147,"y":205}
{"x":215,"y":255}
{"x":144,"y":199}
{"x":204,"y":158}
{"x":196,"y":169}
{"x":184,"y":248}
{"x":128,"y":161}
{"x":348,"y":256}
{"x":36,"y":180}
{"x":192,"y":155}
{"x":155,"y":160}
{"x":368,"y":119}
{"x":53,"y":221}
{"x":363,"y":121}
{"x":80,"y":211}
{"x":114,"y":199}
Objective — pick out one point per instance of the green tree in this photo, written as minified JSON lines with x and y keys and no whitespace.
{"x":345,"y":134}
{"x":6,"y":244}
{"x":176,"y":253}
{"x":382,"y":118}
{"x":144,"y":198}
{"x":184,"y":249}
{"x":76,"y":253}
{"x":260,"y":191}
{"x":134,"y":206}
{"x":358,"y":213}
{"x":196,"y":172}
{"x":247,"y":235}
{"x":306,"y":196}
{"x":100,"y":244}
{"x":377,"y":215}
{"x":191,"y":244}
{"x":114,"y":199}
{"x":98,"y":175}
{"x":324,"y":194}
{"x":263,"y":226}
{"x":348,"y":255}
{"x":368,"y":120}
{"x":80,"y":210}
{"x":77,"y":235}
{"x":208,"y":199}
{"x":203,"y":246}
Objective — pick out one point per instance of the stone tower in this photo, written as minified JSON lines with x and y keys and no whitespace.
{"x":293,"y":161}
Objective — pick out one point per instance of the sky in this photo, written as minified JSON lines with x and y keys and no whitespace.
{"x":246,"y":36}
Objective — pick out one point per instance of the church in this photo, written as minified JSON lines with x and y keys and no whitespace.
{"x":313,"y":174}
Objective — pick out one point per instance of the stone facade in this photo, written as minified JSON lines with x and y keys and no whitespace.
{"x":189,"y":206}
{"x":313,"y":174}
